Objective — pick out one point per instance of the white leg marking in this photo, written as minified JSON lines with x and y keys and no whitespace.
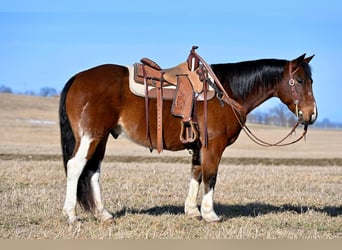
{"x":101,"y":213}
{"x":207,"y":207}
{"x":190,"y":207}
{"x":74,"y":170}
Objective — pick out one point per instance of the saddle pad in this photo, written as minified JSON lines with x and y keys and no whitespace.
{"x":138,"y":89}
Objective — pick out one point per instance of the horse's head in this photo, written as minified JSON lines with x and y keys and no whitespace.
{"x":296,"y":90}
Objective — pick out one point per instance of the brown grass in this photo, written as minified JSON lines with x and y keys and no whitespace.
{"x":289,"y":193}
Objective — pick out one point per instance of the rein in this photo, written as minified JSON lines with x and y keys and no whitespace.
{"x":237,"y":108}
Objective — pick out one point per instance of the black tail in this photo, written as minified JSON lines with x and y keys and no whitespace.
{"x":67,"y":137}
{"x":84,"y":193}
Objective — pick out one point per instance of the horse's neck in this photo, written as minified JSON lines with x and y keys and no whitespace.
{"x":252,"y":88}
{"x":255,"y":99}
{"x":252,"y":82}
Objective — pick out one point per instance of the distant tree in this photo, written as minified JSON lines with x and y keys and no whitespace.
{"x":257,"y":117}
{"x":281,"y":116}
{"x":47,"y":92}
{"x":30,"y":92}
{"x":326,"y":123}
{"x":5,"y":89}
{"x":278,"y":115}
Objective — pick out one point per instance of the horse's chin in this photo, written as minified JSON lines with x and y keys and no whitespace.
{"x":305,"y":123}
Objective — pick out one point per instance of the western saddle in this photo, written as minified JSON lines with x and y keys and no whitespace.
{"x":192,"y":82}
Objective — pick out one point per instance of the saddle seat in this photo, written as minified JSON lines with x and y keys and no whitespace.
{"x":153,"y":72}
{"x":170,"y":74}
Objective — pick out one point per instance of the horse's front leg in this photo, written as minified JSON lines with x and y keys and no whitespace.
{"x":204,"y":168}
{"x":210,"y":161}
{"x":207,"y":206}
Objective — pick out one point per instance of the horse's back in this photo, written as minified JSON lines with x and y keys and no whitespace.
{"x":97,"y":83}
{"x":102,"y":76}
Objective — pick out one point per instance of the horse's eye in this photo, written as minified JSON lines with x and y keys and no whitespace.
{"x":299,"y":80}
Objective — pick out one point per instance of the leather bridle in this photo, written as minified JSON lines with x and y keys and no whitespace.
{"x":292,"y":83}
{"x":222,"y":95}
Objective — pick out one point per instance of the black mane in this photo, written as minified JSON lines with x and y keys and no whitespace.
{"x":244,"y":77}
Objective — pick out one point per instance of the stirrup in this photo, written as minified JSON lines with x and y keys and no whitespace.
{"x":188,"y":132}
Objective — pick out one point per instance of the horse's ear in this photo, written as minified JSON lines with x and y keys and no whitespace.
{"x":308,"y":59}
{"x":297,"y":62}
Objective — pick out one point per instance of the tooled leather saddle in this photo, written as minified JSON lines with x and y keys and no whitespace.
{"x":191,"y":81}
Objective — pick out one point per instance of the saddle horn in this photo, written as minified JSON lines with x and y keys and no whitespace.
{"x":192,"y":60}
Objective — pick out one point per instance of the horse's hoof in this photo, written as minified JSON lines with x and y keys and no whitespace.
{"x":212,"y":218}
{"x":196,"y":216}
{"x":73,"y":220}
{"x":217,"y":220}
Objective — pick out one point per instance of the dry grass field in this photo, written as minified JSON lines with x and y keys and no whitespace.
{"x":292,"y":192}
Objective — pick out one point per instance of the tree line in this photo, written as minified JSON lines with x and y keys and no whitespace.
{"x":280,"y":115}
{"x":277,"y":116}
{"x":45,"y":91}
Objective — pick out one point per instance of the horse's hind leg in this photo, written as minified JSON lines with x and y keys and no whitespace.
{"x":83,"y":172}
{"x":75,"y":168}
{"x":100,"y":212}
{"x":190,"y":207}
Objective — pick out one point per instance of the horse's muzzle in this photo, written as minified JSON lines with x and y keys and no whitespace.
{"x":308,"y":116}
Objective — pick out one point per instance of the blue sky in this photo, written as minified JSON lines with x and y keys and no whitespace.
{"x":44,"y":43}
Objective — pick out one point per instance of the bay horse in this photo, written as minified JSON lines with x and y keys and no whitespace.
{"x":97,"y":103}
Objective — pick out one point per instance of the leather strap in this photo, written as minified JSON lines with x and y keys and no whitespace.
{"x":205,"y":107}
{"x":292,"y":84}
{"x":148,"y":135}
{"x":159,"y":86}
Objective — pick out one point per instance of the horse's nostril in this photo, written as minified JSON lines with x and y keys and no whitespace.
{"x":300,"y":115}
